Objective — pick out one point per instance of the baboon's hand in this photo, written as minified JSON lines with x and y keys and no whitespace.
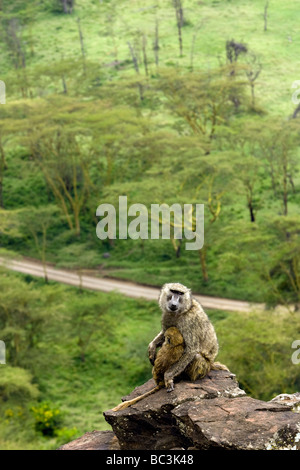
{"x":151,"y":353}
{"x":169,"y":384}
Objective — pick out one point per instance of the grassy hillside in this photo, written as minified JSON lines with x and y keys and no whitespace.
{"x":90,"y":88}
{"x":108,"y":26}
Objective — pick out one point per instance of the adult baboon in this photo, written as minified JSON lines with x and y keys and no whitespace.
{"x":182,"y":311}
{"x":188,"y":339}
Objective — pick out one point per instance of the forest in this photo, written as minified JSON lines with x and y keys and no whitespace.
{"x":164,"y":102}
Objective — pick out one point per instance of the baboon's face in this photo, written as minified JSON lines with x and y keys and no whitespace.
{"x":175,"y":298}
{"x":175,"y":301}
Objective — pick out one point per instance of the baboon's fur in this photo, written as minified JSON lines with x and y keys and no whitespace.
{"x":170,"y":352}
{"x":188,"y":339}
{"x":201,"y":345}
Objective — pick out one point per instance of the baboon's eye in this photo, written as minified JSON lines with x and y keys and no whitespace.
{"x":168,"y":340}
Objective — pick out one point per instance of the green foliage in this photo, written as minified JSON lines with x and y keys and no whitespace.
{"x":257,"y":347}
{"x":107,"y":136}
{"x":21,"y":317}
{"x":9,"y":223}
{"x":66,"y":435}
{"x":53,"y":6}
{"x":283,"y":264}
{"x":204,"y":100}
{"x":47,"y":419}
{"x":86,"y":319}
{"x":17,"y":383}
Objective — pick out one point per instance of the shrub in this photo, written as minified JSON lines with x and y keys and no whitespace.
{"x":16,"y":382}
{"x":257,"y":347}
{"x":47,"y":419}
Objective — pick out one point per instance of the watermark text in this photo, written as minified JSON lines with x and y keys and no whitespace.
{"x":162,"y":221}
{"x":296,"y":354}
{"x":2,"y":92}
{"x":2,"y":353}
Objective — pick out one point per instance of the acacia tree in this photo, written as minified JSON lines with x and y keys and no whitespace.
{"x":204,"y":179}
{"x":135,"y":61}
{"x":278,"y":143}
{"x":179,"y":22}
{"x":85,"y":147}
{"x":21,"y":318}
{"x":247,"y":163}
{"x":9,"y":127}
{"x":266,"y":15}
{"x":62,"y":152}
{"x":60,"y":72}
{"x":13,"y":34}
{"x":15,"y":28}
{"x":68,"y":5}
{"x":252,"y":73}
{"x":247,"y":171}
{"x":281,"y":268}
{"x":87,"y":318}
{"x":202,"y":101}
{"x":212,"y":190}
{"x":65,"y":166}
{"x":3,"y":167}
{"x":83,"y":53}
{"x":61,"y":6}
{"x":36,"y":222}
{"x":156,"y":43}
{"x":9,"y":223}
{"x":233,"y":51}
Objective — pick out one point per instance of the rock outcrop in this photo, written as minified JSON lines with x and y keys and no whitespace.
{"x":210,"y":413}
{"x":95,"y":440}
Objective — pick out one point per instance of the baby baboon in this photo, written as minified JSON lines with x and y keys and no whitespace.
{"x":170,"y":352}
{"x":181,"y":311}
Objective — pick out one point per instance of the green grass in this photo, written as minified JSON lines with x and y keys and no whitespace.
{"x":107,"y":30}
{"x":113,"y":363}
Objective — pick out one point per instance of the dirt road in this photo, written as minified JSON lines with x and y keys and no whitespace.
{"x":130,"y":289}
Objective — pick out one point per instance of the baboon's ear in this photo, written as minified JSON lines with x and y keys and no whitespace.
{"x":187,"y":290}
{"x":164,"y":289}
{"x":161,"y":292}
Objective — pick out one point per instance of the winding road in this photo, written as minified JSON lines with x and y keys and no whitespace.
{"x":35,"y":268}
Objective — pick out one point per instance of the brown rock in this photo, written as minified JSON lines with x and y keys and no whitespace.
{"x":291,"y":402}
{"x":210,"y":413}
{"x":95,"y":440}
{"x":237,"y":423}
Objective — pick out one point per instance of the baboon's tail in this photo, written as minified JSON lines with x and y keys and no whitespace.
{"x":127,"y":403}
{"x":219,"y":366}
